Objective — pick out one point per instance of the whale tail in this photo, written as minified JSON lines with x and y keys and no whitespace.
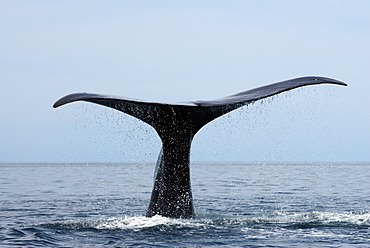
{"x":176,"y":125}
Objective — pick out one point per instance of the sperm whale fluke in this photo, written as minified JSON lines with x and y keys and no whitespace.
{"x":176,"y":125}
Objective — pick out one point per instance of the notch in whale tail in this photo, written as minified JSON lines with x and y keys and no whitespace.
{"x":176,"y":125}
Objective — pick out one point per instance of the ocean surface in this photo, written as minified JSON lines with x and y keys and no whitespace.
{"x":237,"y":205}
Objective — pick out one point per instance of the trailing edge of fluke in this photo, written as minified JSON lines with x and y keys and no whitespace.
{"x":176,"y":125}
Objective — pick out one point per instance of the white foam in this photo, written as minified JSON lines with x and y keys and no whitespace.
{"x":140,"y":222}
{"x":313,"y":219}
{"x":308,"y":218}
{"x":321,"y":217}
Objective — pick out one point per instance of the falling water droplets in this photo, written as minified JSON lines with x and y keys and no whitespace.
{"x":104,"y":134}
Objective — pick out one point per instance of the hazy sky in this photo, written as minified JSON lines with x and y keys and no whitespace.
{"x":179,"y":51}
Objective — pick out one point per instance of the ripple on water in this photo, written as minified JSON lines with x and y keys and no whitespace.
{"x":276,"y":227}
{"x":299,"y":220}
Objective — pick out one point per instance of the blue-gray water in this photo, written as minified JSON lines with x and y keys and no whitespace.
{"x":237,"y":204}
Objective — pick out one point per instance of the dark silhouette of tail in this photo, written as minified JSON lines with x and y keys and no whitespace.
{"x":176,"y":125}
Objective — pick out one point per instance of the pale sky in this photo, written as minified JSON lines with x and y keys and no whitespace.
{"x":180,"y":51}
